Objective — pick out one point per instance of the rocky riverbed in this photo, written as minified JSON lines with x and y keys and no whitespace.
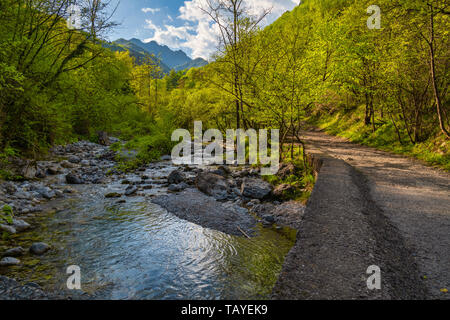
{"x":232,"y":200}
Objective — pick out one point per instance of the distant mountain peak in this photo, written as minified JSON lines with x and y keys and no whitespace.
{"x":173,"y":59}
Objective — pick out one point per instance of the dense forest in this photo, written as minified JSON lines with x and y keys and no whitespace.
{"x":318,"y":65}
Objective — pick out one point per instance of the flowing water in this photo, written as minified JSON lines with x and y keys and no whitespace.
{"x":137,"y":250}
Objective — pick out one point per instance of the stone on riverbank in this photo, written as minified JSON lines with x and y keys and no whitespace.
{"x":8,"y":229}
{"x":255,"y":188}
{"x":176,"y":177}
{"x":14,"y":252}
{"x":9,"y":261}
{"x":286,"y":214}
{"x":73,"y":179}
{"x":10,"y":289}
{"x":39,"y":248}
{"x":212,"y":185}
{"x":20,"y":225}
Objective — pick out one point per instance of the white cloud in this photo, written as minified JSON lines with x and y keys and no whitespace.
{"x":151,"y":10}
{"x":199,"y":34}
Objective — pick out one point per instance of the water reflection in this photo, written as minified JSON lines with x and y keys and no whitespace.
{"x":137,"y":250}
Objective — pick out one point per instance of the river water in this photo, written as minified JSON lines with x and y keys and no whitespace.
{"x":138,"y":250}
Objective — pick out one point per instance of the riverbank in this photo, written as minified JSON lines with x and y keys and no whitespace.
{"x":83,"y":176}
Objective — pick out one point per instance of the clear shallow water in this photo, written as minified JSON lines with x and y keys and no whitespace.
{"x":137,"y":250}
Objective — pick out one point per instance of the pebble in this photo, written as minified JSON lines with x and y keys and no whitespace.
{"x":8,"y":229}
{"x":9,"y":261}
{"x":20,"y":225}
{"x":14,"y":252}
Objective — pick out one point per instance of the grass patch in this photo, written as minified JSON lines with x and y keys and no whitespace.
{"x":302,"y":179}
{"x":144,"y":149}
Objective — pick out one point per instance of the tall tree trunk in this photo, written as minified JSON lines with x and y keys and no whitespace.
{"x":433,"y":75}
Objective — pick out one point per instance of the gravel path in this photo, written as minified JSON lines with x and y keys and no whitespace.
{"x":413,"y":197}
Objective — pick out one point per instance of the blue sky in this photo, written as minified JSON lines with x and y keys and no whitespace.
{"x":180,"y":24}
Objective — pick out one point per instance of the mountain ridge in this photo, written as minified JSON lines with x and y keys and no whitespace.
{"x":177,"y":60}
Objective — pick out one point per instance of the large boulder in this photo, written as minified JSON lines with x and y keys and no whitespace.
{"x":255,"y":188}
{"x":212,"y":185}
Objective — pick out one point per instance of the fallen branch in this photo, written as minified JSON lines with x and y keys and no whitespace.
{"x":243,"y":232}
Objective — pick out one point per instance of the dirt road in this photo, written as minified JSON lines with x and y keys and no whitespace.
{"x":414,"y":197}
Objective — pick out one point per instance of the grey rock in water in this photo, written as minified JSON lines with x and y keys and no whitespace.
{"x":14,"y":252}
{"x":20,"y":225}
{"x":176,"y":176}
{"x":9,"y":261}
{"x":46,"y":192}
{"x":269,"y":218}
{"x":131,"y":190}
{"x":39,"y":248}
{"x":8,"y":229}
{"x":73,"y":179}
{"x":255,"y":188}
{"x":166,"y":158}
{"x":69,"y":190}
{"x":85,"y":163}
